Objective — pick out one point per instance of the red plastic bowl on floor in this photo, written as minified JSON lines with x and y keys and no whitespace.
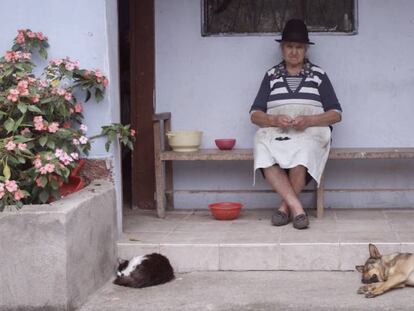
{"x":225,"y":144}
{"x":225,"y":210}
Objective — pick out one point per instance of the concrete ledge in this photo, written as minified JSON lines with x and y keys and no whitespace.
{"x":53,"y":256}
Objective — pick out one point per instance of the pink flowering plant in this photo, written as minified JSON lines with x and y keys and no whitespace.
{"x":42,"y":133}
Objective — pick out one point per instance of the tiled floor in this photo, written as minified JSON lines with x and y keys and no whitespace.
{"x":193,"y":240}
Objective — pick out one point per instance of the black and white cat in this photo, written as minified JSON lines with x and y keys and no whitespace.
{"x":143,"y":271}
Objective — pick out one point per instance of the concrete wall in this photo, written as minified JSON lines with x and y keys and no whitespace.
{"x":83,"y":30}
{"x":209,"y":83}
{"x":52,"y":257}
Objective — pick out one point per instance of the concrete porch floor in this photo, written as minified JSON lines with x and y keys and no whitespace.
{"x":194,"y":241}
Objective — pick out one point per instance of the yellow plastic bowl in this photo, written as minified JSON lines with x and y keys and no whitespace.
{"x":184,"y":141}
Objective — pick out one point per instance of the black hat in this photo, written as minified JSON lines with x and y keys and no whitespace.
{"x":295,"y":31}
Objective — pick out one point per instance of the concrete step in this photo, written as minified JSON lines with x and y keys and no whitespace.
{"x":194,"y":241}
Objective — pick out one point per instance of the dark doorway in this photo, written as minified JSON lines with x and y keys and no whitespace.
{"x":137,"y":83}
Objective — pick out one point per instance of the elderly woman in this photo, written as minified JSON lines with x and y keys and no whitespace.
{"x":294,"y":108}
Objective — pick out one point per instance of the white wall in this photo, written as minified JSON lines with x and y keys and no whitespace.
{"x":75,"y":28}
{"x":209,"y":83}
{"x":84,"y":31}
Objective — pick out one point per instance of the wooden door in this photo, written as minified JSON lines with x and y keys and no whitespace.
{"x":142,"y":89}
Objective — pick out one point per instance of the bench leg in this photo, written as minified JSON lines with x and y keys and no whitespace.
{"x":160,"y":188}
{"x":320,"y":198}
{"x":159,"y":173}
{"x":169,"y":173}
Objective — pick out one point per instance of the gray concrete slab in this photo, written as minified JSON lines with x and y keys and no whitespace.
{"x":194,"y":241}
{"x":250,"y":290}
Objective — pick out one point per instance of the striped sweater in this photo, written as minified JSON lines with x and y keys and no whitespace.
{"x":314,"y":88}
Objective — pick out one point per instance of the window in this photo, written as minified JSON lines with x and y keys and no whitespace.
{"x":235,"y":17}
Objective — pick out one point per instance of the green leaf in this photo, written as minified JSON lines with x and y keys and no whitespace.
{"x":43,"y":141}
{"x":6,"y":171}
{"x":43,"y":181}
{"x":54,"y":184}
{"x":18,"y":122}
{"x":43,"y":52}
{"x":21,"y":160}
{"x":44,"y":196}
{"x":51,"y":144}
{"x":22,"y":107}
{"x":34,"y":108}
{"x":88,"y":95}
{"x":9,"y":125}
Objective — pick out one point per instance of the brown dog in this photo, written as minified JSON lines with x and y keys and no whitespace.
{"x":383,"y":273}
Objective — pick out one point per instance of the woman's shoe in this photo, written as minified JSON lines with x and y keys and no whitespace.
{"x":301,"y":221}
{"x":280,"y":218}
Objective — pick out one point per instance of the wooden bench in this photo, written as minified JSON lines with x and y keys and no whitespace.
{"x":164,"y":157}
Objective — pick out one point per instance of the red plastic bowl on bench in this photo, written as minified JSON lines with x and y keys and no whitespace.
{"x":225,"y":210}
{"x":225,"y":144}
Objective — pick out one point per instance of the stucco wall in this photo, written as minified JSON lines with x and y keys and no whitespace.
{"x":209,"y":83}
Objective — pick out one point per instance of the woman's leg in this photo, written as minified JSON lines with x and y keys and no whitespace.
{"x":281,"y":183}
{"x":297,"y":179}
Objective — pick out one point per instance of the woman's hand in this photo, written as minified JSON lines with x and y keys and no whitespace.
{"x":300,"y":123}
{"x":282,"y":121}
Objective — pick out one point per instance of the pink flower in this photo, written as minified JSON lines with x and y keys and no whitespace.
{"x":10,"y":56}
{"x":78,"y":108}
{"x":31,"y":34}
{"x":27,"y":56}
{"x":83,"y":128}
{"x":39,"y":182}
{"x":10,"y":146}
{"x":38,"y":119}
{"x":61,"y":92}
{"x":74,"y":155}
{"x":37,"y":163}
{"x":53,"y":127}
{"x":38,"y":123}
{"x":68,"y":96}
{"x":50,"y":167}
{"x":1,"y":186}
{"x":35,"y":98}
{"x":2,"y":194}
{"x":20,"y":38}
{"x":75,"y":142}
{"x":43,"y":83}
{"x":132,"y":132}
{"x":22,"y":87}
{"x":25,"y":131}
{"x":83,"y":140}
{"x":18,"y":195}
{"x":13,"y":95}
{"x":22,"y":146}
{"x":69,"y":66}
{"x":105,"y":82}
{"x":98,"y":73}
{"x":40,"y":36}
{"x":58,"y":152}
{"x":11,"y":185}
{"x":43,"y":170}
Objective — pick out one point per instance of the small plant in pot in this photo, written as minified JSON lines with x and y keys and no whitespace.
{"x":42,"y":134}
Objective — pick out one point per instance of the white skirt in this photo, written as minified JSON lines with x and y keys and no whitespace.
{"x":289,"y":148}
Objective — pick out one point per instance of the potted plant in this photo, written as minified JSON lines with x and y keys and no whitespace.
{"x":42,"y":134}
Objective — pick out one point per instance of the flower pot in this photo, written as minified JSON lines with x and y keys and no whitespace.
{"x":75,"y":184}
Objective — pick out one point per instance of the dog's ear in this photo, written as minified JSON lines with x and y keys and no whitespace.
{"x":374,"y":252}
{"x":359,"y":268}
